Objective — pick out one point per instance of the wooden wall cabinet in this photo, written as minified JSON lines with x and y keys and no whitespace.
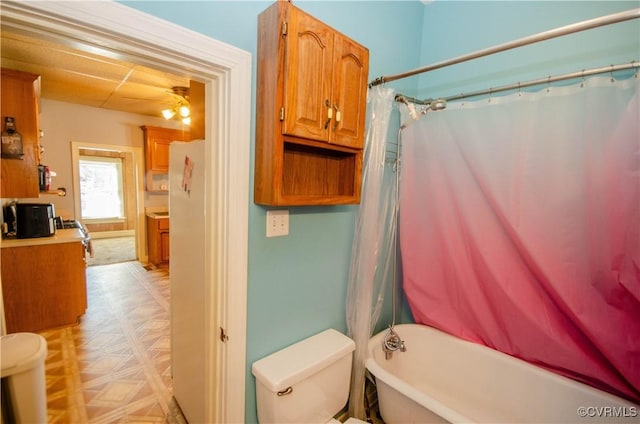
{"x":43,"y":286}
{"x":311,"y":102}
{"x":158,"y":240}
{"x":156,"y":150}
{"x":20,"y":92}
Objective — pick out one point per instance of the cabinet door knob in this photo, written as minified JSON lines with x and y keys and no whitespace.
{"x":338,"y":115}
{"x":329,"y":113}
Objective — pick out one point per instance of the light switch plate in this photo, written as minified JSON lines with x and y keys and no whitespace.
{"x":277,"y":223}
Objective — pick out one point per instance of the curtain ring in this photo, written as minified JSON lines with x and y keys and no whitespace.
{"x":549,"y":84}
{"x":582,"y":83}
{"x":519,"y":91}
{"x":611,"y":73}
{"x":462,"y":97}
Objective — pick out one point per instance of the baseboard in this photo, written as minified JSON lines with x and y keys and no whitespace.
{"x":112,"y":234}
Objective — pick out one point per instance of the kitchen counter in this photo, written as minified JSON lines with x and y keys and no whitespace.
{"x":158,"y":215}
{"x":62,"y":236}
{"x":44,"y":281}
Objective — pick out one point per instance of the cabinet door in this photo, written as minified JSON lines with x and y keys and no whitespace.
{"x":160,"y":154}
{"x":157,"y":142}
{"x":43,"y":286}
{"x":19,"y":91}
{"x":307,"y":81}
{"x":164,"y":247}
{"x":349,"y":95}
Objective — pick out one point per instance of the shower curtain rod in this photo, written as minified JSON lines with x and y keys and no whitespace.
{"x":401,"y":98}
{"x":542,"y":36}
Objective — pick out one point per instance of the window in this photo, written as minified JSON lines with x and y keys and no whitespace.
{"x":101,"y":187}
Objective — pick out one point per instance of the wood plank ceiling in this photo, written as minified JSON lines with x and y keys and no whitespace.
{"x":79,"y":76}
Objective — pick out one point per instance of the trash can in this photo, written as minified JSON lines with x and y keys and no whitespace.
{"x":23,"y":377}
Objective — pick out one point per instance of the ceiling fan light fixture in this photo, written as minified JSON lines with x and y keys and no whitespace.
{"x":168,"y":113}
{"x":181,"y":91}
{"x":184,"y":111}
{"x":181,"y":108}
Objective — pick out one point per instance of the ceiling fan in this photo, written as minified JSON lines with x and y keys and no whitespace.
{"x":181,"y":108}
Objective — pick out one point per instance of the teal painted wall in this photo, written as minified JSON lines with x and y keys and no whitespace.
{"x":454,"y":28}
{"x":297,"y":284}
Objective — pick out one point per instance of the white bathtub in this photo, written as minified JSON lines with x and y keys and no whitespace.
{"x":441,"y":378}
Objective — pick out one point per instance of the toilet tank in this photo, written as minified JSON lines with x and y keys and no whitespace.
{"x":307,"y":382}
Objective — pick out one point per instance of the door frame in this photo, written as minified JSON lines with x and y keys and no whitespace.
{"x":116,"y":30}
{"x":138,"y":164}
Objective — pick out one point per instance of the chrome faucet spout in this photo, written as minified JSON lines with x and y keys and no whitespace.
{"x":391,"y":343}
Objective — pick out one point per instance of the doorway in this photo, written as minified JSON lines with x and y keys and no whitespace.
{"x":126,"y":220}
{"x":116,"y":29}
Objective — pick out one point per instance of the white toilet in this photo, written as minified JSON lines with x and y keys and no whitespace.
{"x":307,"y":382}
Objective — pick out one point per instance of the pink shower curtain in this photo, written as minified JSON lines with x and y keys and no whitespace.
{"x":520,"y":227}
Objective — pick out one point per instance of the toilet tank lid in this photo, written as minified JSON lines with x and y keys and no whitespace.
{"x":294,"y":363}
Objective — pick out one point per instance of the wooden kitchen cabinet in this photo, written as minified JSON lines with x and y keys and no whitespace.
{"x":311,"y":101}
{"x":156,"y":150}
{"x":43,"y":286}
{"x":158,"y":240}
{"x":20,"y":92}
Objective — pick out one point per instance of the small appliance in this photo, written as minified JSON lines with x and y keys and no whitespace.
{"x":9,"y":217}
{"x":44,"y":177}
{"x":35,"y":220}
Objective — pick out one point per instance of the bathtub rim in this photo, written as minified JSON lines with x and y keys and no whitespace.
{"x":446,"y":412}
{"x":405,"y":388}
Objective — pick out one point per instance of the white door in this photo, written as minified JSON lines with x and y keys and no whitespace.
{"x":187,"y":276}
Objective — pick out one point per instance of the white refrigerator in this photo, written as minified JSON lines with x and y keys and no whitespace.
{"x":187,"y":190}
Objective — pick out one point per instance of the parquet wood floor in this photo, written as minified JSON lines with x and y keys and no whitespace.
{"x":114,"y":366}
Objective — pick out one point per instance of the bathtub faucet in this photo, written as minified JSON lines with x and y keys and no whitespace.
{"x":391,"y":343}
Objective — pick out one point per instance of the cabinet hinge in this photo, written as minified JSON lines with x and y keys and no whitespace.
{"x":284,"y":28}
{"x":223,"y":335}
{"x":282,"y":114}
